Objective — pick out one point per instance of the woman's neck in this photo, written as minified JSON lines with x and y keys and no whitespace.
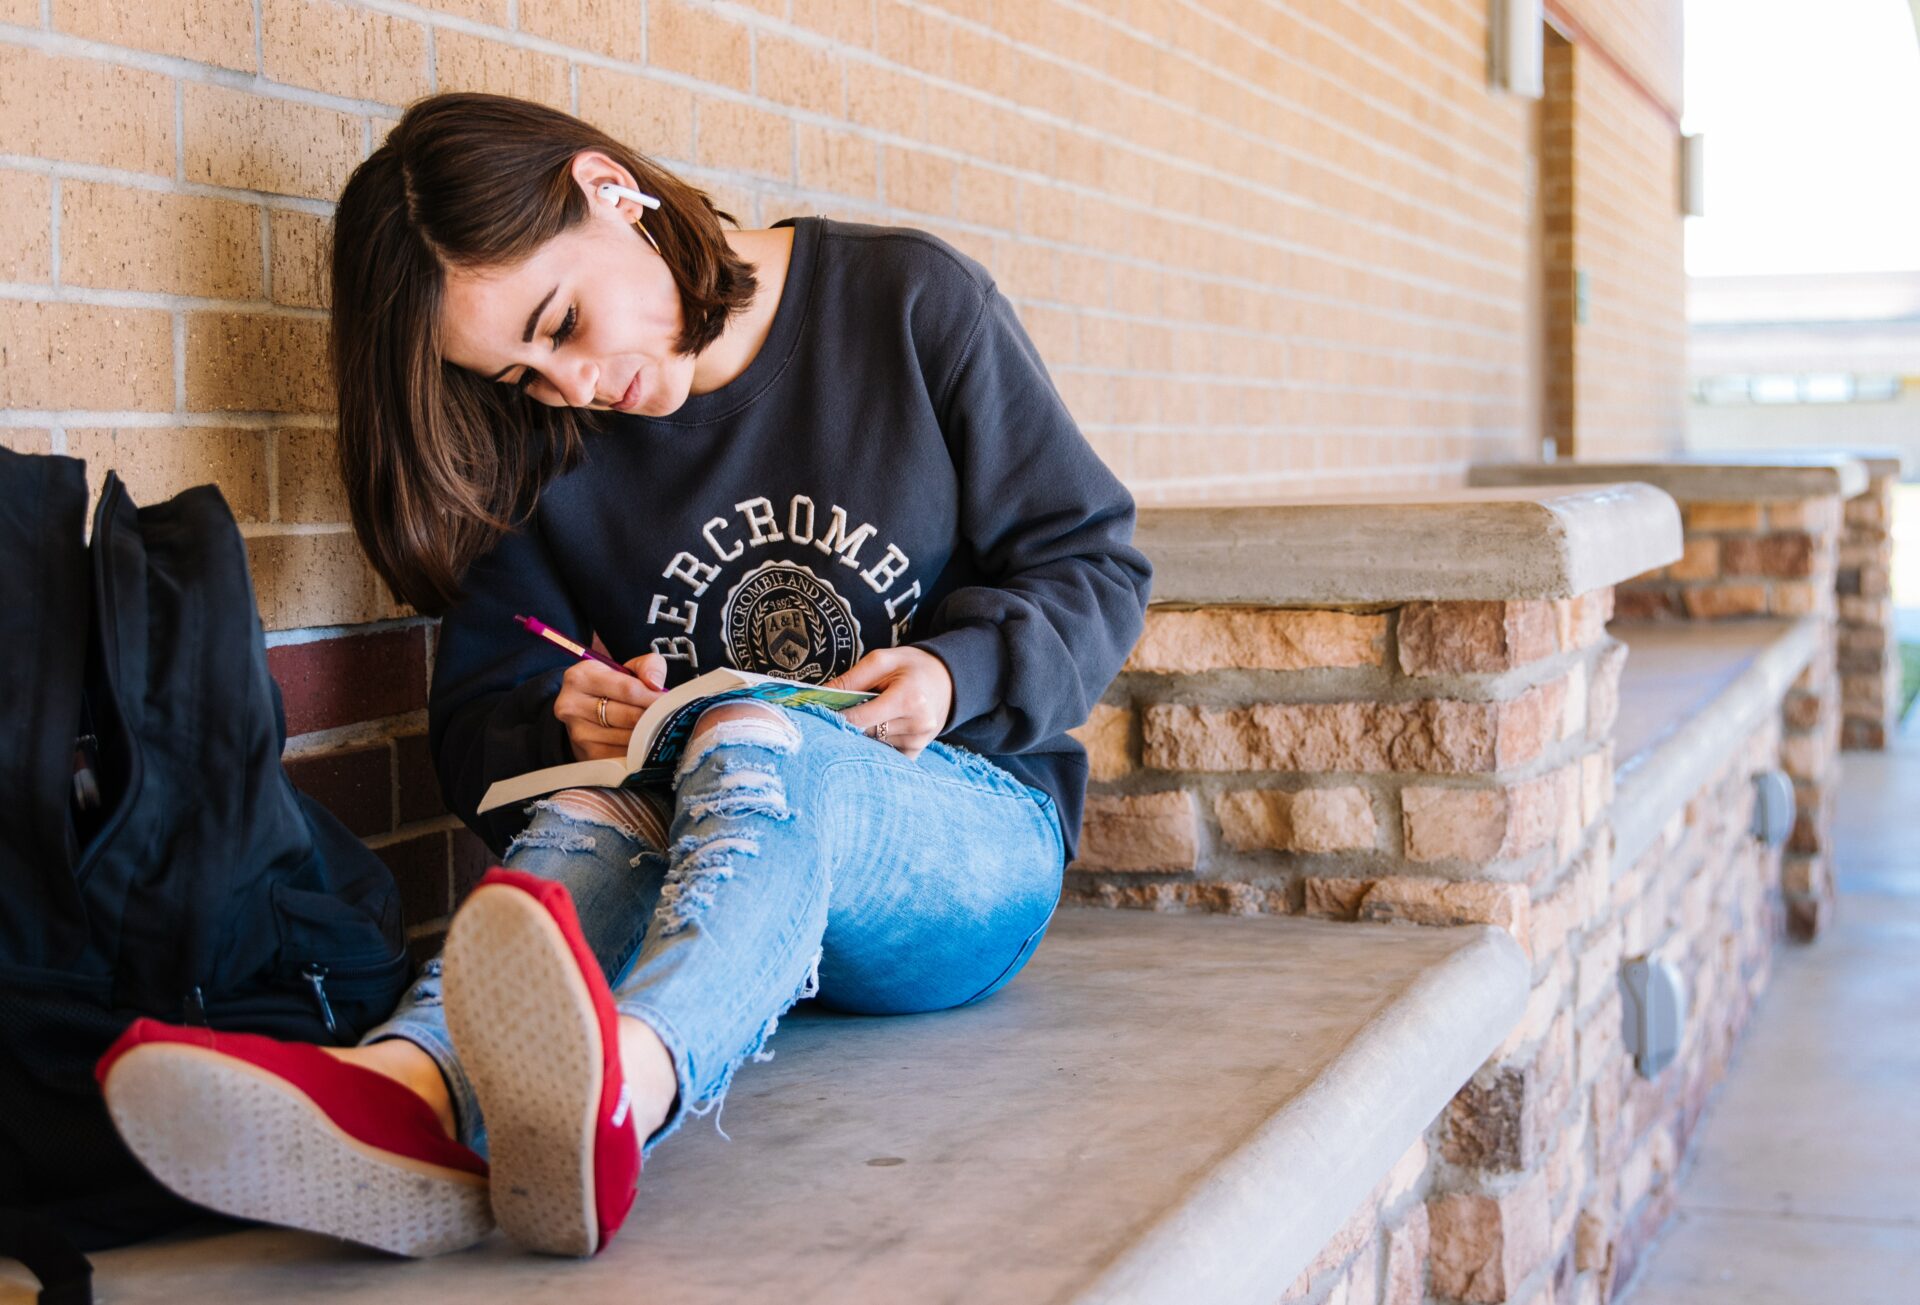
{"x":768,"y":252}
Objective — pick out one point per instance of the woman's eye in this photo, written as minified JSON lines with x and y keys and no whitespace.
{"x":560,"y":334}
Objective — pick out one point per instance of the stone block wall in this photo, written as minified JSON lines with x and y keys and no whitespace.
{"x":1431,"y":761}
{"x":1869,"y":653}
{"x":1446,"y":763}
{"x":1781,"y":557}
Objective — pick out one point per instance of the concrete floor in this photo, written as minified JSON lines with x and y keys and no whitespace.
{"x":1806,"y":1184}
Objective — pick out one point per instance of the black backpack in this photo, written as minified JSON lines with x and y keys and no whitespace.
{"x":198,"y":886}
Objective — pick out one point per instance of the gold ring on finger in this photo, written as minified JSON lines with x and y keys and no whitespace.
{"x":604,"y":723}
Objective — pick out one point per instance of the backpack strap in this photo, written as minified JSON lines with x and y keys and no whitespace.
{"x":64,"y":1274}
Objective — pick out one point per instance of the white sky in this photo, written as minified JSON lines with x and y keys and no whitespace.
{"x":1811,"y":110}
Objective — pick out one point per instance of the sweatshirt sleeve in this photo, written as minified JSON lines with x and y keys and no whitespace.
{"x":1049,"y":524}
{"x":490,"y":708}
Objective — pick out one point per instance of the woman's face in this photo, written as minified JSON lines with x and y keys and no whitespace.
{"x":588,"y":321}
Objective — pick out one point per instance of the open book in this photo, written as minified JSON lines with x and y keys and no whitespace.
{"x":662,"y":733}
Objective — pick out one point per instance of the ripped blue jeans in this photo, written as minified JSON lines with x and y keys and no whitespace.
{"x":804,"y":859}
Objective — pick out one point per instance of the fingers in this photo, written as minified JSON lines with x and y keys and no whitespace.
{"x":652,"y":668}
{"x":577,"y":705}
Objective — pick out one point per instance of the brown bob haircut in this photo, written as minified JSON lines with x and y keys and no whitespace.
{"x":438,"y":461}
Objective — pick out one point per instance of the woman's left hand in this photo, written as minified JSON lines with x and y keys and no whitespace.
{"x":916,"y":693}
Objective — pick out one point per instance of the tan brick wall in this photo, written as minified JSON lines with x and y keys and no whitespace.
{"x":1265,"y":250}
{"x":1615,"y":283}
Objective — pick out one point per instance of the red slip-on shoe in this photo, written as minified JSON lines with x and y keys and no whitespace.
{"x":533,"y":1021}
{"x":283,"y":1133}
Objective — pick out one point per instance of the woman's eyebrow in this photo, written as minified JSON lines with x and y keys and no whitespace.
{"x":526,"y":336}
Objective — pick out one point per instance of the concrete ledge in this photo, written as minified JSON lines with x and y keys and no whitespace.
{"x":1455,"y":544}
{"x":1689,"y":693}
{"x":1708,"y":476}
{"x":1160,"y":1108}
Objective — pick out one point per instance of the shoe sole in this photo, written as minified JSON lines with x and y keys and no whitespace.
{"x":524,"y":1024}
{"x":235,"y":1138}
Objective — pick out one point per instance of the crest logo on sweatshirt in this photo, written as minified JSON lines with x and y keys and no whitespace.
{"x":782,"y":619}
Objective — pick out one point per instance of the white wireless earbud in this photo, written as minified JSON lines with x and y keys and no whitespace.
{"x":613,"y":193}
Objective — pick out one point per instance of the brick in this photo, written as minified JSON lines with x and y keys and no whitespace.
{"x":416,"y":780}
{"x":297,"y":259}
{"x":1712,"y":602}
{"x":1146,"y":831}
{"x":683,"y":38}
{"x":326,"y":683}
{"x":85,"y":111}
{"x":613,"y":29}
{"x":986,"y":196}
{"x":317,"y":579}
{"x":1459,"y":638}
{"x":253,"y":143}
{"x":1596,"y":785}
{"x":918,"y":181}
{"x":1483,"y":1247}
{"x":257,"y":362}
{"x":848,"y":22}
{"x":26,"y":240}
{"x":801,"y":76}
{"x":1493,"y":1121}
{"x":1176,"y":897}
{"x":120,"y":238}
{"x":730,"y":135}
{"x":1721,"y":517}
{"x":308,"y":477}
{"x":1107,"y":737}
{"x":420,"y":866}
{"x":22,"y":440}
{"x":1867,"y":611}
{"x":1312,"y":820}
{"x":650,"y":115}
{"x":888,"y":101}
{"x":1419,"y":900}
{"x":472,"y":63}
{"x":1797,"y":598}
{"x":346,"y":50}
{"x":1407,"y":1250}
{"x":492,"y":12}
{"x":1603,"y":691}
{"x":1871,"y":511}
{"x":156,"y":463}
{"x":1256,"y":638}
{"x":1699,"y":560}
{"x":1768,"y":555}
{"x":355,"y":784}
{"x":1334,"y":898}
{"x":1814,"y":515}
{"x":1479,"y":824}
{"x":843,"y":162}
{"x":1643,"y":604}
{"x":1443,"y":736}
{"x":207,"y":31}
{"x":68,"y":356}
{"x":1588,"y":615}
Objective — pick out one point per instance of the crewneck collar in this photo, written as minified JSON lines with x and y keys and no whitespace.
{"x":789,"y":318}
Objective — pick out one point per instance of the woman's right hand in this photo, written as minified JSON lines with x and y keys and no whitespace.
{"x":578,"y":704}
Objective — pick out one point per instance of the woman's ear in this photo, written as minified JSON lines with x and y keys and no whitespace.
{"x":592,"y":169}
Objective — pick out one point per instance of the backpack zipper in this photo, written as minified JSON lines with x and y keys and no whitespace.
{"x":316,"y":976}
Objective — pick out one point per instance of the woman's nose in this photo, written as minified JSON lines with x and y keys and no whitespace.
{"x":579,"y":384}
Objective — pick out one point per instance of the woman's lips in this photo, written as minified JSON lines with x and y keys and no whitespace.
{"x":632,"y":395}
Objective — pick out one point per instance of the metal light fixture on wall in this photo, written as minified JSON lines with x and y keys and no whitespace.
{"x":1693,"y":175}
{"x":1518,"y":48}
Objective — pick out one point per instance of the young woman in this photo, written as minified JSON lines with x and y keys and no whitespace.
{"x":825,"y":451}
